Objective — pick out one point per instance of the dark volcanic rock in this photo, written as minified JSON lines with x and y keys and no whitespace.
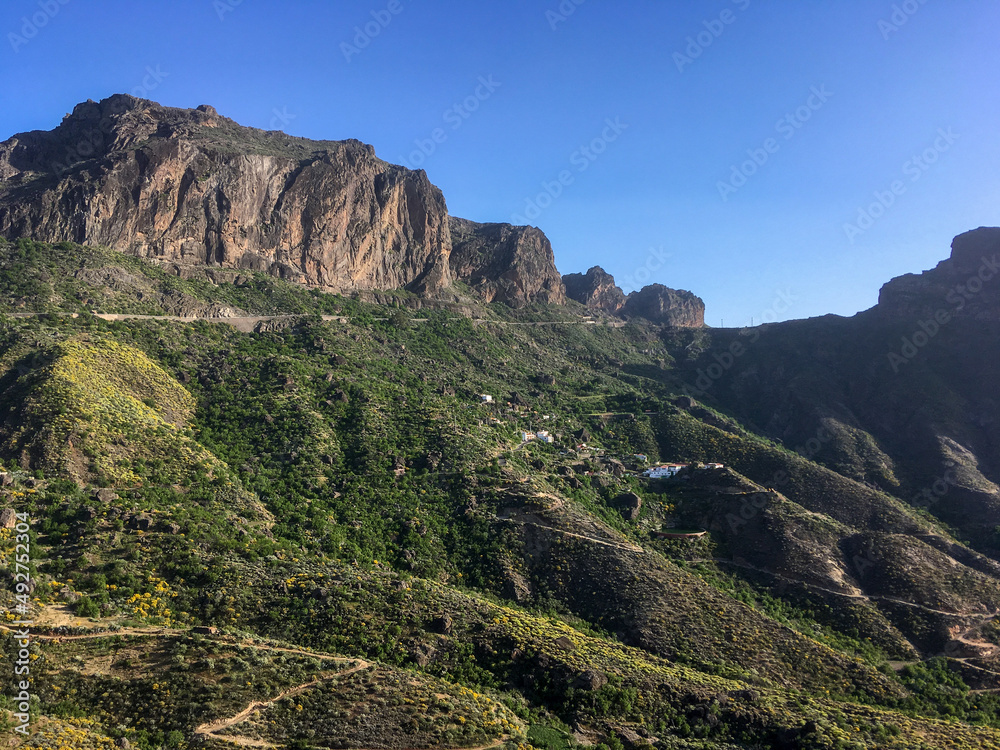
{"x":596,"y":289}
{"x":965,"y":285}
{"x":669,"y":307}
{"x":590,"y":680}
{"x":629,"y":504}
{"x":190,"y":187}
{"x":442,"y":625}
{"x":504,"y":263}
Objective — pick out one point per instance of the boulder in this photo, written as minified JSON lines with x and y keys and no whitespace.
{"x":8,"y":518}
{"x":628,"y":504}
{"x":590,"y":680}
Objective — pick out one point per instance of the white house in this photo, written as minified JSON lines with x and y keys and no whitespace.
{"x":542,"y":435}
{"x":486,"y":398}
{"x":664,"y":471}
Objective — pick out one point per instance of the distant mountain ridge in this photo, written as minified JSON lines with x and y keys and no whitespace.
{"x":189,"y":187}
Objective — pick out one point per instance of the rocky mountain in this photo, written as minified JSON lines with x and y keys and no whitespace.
{"x":308,"y":520}
{"x":596,"y":289}
{"x":669,"y":307}
{"x":192,"y":187}
{"x":655,"y":303}
{"x":504,"y":263}
{"x":901,"y":397}
{"x":957,"y":287}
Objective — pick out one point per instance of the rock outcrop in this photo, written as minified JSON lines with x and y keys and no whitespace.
{"x":504,"y":263}
{"x":191,"y":187}
{"x":196,"y":191}
{"x":669,"y":307}
{"x":965,"y":285}
{"x":596,"y":289}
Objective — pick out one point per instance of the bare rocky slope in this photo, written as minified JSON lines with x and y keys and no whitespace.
{"x":504,"y":263}
{"x":595,"y":289}
{"x":955,"y":288}
{"x":190,"y":188}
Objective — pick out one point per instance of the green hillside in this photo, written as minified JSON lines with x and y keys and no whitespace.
{"x":315,"y":533}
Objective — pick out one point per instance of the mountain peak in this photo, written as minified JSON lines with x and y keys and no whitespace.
{"x":965,"y":285}
{"x":190,"y":187}
{"x":596,"y":289}
{"x":670,"y":307}
{"x":971,"y":249}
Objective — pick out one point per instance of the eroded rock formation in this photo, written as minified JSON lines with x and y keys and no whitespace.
{"x":669,"y":307}
{"x":596,"y":289}
{"x":504,"y":263}
{"x":965,"y":285}
{"x":192,"y":187}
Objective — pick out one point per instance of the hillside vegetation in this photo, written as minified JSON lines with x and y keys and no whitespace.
{"x":318,"y":534}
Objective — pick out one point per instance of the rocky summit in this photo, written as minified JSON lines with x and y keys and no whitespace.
{"x":504,"y":263}
{"x":669,"y":307}
{"x":191,"y":189}
{"x":189,"y":186}
{"x":595,"y":289}
{"x":965,"y":285}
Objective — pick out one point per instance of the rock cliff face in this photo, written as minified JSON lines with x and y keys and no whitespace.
{"x":596,"y":289}
{"x":504,"y":263}
{"x":191,"y":187}
{"x":669,"y":307}
{"x":966,"y":285}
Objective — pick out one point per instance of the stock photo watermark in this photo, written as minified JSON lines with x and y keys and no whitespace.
{"x":33,"y":24}
{"x":958,"y":298}
{"x":901,"y":14}
{"x":454,"y":117}
{"x":224,"y":7}
{"x":20,"y":631}
{"x":281,"y":118}
{"x":581,"y":160}
{"x":562,"y":13}
{"x":363,"y":35}
{"x":655,"y":260}
{"x":786,"y":127}
{"x":151,"y":81}
{"x":914,"y":168}
{"x":725,"y":361}
{"x":713,"y":29}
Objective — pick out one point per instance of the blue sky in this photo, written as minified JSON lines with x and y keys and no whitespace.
{"x":745,"y":136}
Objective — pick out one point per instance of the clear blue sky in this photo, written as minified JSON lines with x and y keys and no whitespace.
{"x":649,"y":207}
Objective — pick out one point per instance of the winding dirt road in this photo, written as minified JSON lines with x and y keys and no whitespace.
{"x":210,"y":730}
